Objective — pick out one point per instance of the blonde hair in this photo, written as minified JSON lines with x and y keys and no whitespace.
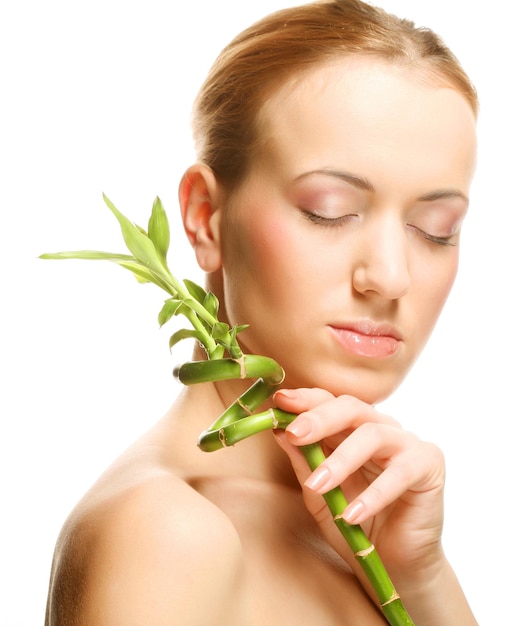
{"x":284,"y":45}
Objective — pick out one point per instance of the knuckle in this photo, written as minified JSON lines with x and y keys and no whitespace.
{"x":340,"y":458}
{"x":371,"y":432}
{"x":435,"y":453}
{"x":348,"y":402}
{"x":404,"y":472}
{"x":375,"y":494}
{"x":315,"y":395}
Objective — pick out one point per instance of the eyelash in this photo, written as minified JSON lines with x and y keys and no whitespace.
{"x":331,"y":222}
{"x":441,"y":241}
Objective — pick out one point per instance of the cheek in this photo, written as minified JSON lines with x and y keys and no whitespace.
{"x":436,"y":281}
{"x":257,"y":259}
{"x":266,"y":242}
{"x":447,"y":278}
{"x":270,"y":254}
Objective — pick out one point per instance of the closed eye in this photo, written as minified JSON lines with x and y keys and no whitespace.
{"x":316,"y":218}
{"x":442,"y":241}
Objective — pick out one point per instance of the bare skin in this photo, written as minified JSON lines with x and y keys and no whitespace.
{"x":346,"y":232}
{"x":172,"y":535}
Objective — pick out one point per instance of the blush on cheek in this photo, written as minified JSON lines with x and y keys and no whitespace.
{"x":273,"y":233}
{"x":266,"y":242}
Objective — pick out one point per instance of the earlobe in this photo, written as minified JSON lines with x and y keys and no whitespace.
{"x":199,"y":195}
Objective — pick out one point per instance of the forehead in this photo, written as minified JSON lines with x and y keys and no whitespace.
{"x":357,"y":78}
{"x":368,"y":110}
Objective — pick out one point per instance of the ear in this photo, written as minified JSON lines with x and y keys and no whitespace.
{"x":199,"y":195}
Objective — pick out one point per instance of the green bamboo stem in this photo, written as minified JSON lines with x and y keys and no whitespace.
{"x":248,"y":366}
{"x":268,"y":372}
{"x":362,"y":548}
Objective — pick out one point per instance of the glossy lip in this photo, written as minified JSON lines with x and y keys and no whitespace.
{"x":367,"y":338}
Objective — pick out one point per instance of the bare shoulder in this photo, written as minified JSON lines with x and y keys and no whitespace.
{"x":144,"y":553}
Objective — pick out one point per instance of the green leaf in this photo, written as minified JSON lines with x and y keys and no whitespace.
{"x":211,"y":304}
{"x":235,"y":330}
{"x":93,"y":255}
{"x":220,"y":332}
{"x":158,"y":229}
{"x":197,"y":292}
{"x":138,"y":243}
{"x":139,"y":270}
{"x":185,"y":334}
{"x":170,"y":308}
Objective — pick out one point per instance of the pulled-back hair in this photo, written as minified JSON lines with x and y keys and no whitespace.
{"x":284,"y":45}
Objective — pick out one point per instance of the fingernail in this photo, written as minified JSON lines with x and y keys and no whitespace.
{"x":289,"y":394}
{"x":300,"y":428}
{"x":318,"y":479}
{"x":353,"y":512}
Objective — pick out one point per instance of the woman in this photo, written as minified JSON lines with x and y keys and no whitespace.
{"x":336,"y":148}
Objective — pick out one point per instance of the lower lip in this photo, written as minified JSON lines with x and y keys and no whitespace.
{"x":373,"y":346}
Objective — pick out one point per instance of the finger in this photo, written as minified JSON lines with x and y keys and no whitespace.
{"x":380,"y":443}
{"x":332,"y":416}
{"x":415,"y":471}
{"x":299,"y":400}
{"x":295,"y":455}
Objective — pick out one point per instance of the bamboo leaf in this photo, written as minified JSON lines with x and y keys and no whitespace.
{"x":139,"y":270}
{"x":88,"y":255}
{"x":197,"y":292}
{"x":185,"y":334}
{"x":220,"y":333}
{"x":170,"y":308}
{"x":139,"y":244}
{"x":211,"y":304}
{"x":158,"y":229}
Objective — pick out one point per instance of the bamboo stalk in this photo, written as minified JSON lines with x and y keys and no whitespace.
{"x":362,"y":548}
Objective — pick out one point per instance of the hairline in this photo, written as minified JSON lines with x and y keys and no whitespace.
{"x":424,"y":73}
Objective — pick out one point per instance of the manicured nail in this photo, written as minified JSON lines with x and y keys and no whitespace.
{"x":300,"y":428}
{"x":353,"y":512}
{"x":289,"y":394}
{"x":318,"y":479}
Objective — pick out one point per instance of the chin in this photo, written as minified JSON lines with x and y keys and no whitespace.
{"x":368,"y":385}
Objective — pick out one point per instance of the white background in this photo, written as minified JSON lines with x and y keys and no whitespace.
{"x":95,"y":96}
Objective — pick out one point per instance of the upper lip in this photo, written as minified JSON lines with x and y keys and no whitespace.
{"x":370,"y":328}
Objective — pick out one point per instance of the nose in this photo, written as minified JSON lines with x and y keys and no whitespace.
{"x":382,"y":264}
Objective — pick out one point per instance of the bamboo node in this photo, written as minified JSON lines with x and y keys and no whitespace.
{"x":394,"y":596}
{"x":241,"y":363}
{"x":362,"y":554}
{"x":221,"y":437}
{"x":275,"y":422}
{"x":244,"y":406}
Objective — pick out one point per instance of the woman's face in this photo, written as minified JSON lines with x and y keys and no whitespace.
{"x":341,"y":246}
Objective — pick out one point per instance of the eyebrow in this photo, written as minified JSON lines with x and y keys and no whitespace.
{"x":364,"y":184}
{"x":356,"y":181}
{"x":443,"y":194}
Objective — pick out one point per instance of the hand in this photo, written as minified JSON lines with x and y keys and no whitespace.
{"x":393,"y":480}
